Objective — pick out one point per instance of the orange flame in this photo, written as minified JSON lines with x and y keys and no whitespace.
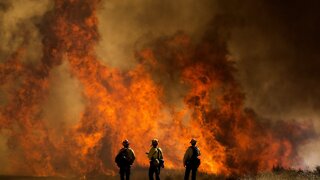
{"x":132,"y":104}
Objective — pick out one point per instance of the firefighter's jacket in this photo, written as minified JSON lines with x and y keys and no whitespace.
{"x":189,"y":153}
{"x":129,"y":154}
{"x":155,"y":153}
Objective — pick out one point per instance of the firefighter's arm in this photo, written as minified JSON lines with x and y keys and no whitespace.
{"x":185,"y":159}
{"x":150,"y":154}
{"x":161,"y":153}
{"x":117,"y":155}
{"x":187,"y":156}
{"x":133,"y":156}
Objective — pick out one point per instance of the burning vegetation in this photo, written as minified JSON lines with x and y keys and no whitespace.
{"x":179,"y":89}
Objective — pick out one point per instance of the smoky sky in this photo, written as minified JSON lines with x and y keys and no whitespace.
{"x":276,"y":44}
{"x":276,"y":48}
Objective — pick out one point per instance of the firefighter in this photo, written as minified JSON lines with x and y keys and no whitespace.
{"x":156,"y":160}
{"x":125,"y":159}
{"x":191,"y":161}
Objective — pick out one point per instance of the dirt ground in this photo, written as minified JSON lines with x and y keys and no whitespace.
{"x":142,"y":174}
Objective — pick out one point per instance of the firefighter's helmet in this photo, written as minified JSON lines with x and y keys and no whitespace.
{"x":193,"y":141}
{"x":125,"y":142}
{"x":154,"y":142}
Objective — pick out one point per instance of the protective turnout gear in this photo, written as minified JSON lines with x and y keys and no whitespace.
{"x":125,"y":157}
{"x":191,"y":154}
{"x":156,"y":160}
{"x":155,"y":156}
{"x":191,"y":160}
{"x":124,"y":160}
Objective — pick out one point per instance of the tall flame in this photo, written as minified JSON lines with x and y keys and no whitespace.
{"x":135,"y":104}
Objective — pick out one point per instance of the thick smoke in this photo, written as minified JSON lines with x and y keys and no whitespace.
{"x":123,"y":24}
{"x":274,"y":45}
{"x":4,"y":153}
{"x":20,"y":39}
{"x":19,"y":20}
{"x":277,"y":48}
{"x":25,"y":74}
{"x":65,"y":104}
{"x":215,"y":94}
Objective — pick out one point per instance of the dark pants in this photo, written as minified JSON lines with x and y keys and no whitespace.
{"x":154,"y":170}
{"x":125,"y":171}
{"x":187,"y":173}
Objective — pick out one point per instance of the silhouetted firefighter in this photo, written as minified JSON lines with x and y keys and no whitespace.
{"x":124,"y":160}
{"x":191,"y":160}
{"x":156,"y":160}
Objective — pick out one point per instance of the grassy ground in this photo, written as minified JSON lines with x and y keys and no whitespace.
{"x":284,"y":176}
